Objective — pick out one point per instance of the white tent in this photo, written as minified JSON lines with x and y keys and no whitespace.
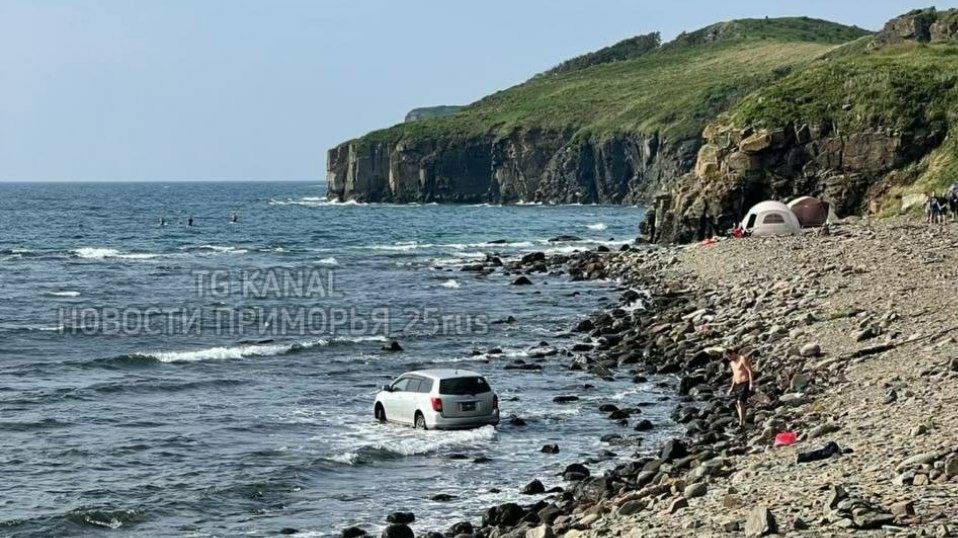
{"x":771,"y":218}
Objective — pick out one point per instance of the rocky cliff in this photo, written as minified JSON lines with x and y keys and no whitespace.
{"x":864,"y":129}
{"x":613,"y":126}
{"x":527,"y":165}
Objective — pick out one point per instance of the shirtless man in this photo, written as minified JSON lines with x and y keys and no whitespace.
{"x":742,"y":382}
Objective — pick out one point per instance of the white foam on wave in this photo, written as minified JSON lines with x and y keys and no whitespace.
{"x":314,"y":201}
{"x":100,"y":253}
{"x":217,"y":249}
{"x":64,"y":293}
{"x":234,"y":352}
{"x":451,"y":284}
{"x":597,"y":226}
{"x":407,"y":442}
{"x":327,"y":261}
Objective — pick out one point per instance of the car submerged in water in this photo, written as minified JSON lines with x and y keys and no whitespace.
{"x":438,"y":399}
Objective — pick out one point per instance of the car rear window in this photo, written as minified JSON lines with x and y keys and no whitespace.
{"x":463,"y":385}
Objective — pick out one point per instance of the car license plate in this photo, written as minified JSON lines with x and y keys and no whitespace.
{"x":467,"y":406}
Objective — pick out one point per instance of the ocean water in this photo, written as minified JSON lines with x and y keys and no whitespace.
{"x":218,"y":379}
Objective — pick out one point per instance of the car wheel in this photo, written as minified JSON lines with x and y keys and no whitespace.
{"x":379,"y":413}
{"x":420,"y":421}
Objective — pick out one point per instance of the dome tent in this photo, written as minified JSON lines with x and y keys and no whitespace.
{"x":811,"y":212}
{"x":771,"y":218}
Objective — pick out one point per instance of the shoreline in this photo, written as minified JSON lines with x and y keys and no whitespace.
{"x":816,"y":312}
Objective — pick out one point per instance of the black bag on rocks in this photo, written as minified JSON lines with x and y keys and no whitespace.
{"x":825,"y":452}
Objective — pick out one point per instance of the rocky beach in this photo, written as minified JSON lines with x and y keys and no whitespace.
{"x":852,"y":334}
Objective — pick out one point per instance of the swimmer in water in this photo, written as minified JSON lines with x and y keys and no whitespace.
{"x":234,"y":218}
{"x":189,"y":221}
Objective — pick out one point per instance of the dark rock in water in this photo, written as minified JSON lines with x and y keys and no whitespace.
{"x":472,"y":267}
{"x":565,"y":399}
{"x":516,"y":421}
{"x":602,"y":248}
{"x":482,"y":459}
{"x":397,"y":531}
{"x":393,"y":346}
{"x":523,"y":366}
{"x":522,"y":281}
{"x":576,"y":471}
{"x":533,"y":488}
{"x":401,"y":518}
{"x":610,"y":438}
{"x":585,"y":325}
{"x":288,"y":530}
{"x":505,"y":515}
{"x":643,"y":425}
{"x":442,"y":497}
{"x":564,"y":238}
{"x":505,"y":320}
{"x":353,"y":532}
{"x":673,"y":450}
{"x":458,"y":456}
{"x":434,"y":534}
{"x":463,"y":527}
{"x":494,"y":351}
{"x":550,"y":449}
{"x":533,"y":257}
{"x":608,"y":408}
{"x":619,"y":414}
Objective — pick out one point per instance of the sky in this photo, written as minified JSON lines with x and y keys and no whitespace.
{"x":168,"y":90}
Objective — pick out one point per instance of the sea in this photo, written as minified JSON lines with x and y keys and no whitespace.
{"x":217,"y":379}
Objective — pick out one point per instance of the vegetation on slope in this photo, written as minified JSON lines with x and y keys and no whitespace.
{"x":626,"y":49}
{"x":675,"y":89}
{"x":905,"y":87}
{"x":898,"y":87}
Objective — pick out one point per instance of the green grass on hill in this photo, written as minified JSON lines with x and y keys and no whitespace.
{"x":907,"y":87}
{"x":897,"y":87}
{"x":675,"y":90}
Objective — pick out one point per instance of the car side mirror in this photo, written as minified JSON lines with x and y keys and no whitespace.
{"x":387,"y":388}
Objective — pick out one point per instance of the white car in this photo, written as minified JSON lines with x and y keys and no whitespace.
{"x":438,"y":399}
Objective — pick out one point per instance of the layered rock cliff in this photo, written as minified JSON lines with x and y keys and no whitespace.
{"x":527,"y":165}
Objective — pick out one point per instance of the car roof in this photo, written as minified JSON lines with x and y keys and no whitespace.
{"x":444,"y":373}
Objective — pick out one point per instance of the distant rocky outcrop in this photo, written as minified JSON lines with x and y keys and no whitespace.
{"x":439,"y":111}
{"x":922,"y":26}
{"x":527,"y":165}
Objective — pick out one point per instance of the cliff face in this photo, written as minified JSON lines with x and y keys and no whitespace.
{"x":612,"y":127}
{"x":737,"y":168}
{"x":528,"y":165}
{"x":866,"y":131}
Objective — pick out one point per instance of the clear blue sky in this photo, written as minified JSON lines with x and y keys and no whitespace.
{"x":236,"y":89}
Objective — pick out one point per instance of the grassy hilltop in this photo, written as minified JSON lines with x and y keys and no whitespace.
{"x":866,"y":120}
{"x":639,"y":85}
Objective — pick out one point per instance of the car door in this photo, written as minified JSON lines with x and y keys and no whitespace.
{"x":408,"y":399}
{"x":392,"y":400}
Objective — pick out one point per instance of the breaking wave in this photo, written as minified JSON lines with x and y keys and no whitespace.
{"x":100,"y":253}
{"x":414,"y":443}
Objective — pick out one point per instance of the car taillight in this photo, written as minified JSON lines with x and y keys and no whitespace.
{"x":437,"y":405}
{"x":495,"y":401}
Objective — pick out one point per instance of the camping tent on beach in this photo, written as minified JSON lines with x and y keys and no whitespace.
{"x":771,"y":218}
{"x":811,"y":212}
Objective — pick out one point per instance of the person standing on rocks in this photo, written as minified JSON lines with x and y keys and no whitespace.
{"x":743,"y":383}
